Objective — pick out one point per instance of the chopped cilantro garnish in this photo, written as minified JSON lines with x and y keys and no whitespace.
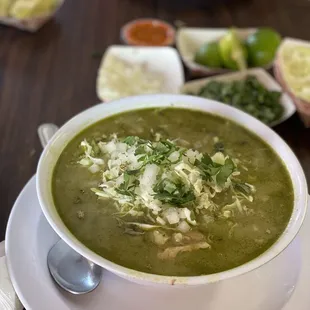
{"x":225,"y":171}
{"x":208,"y":168}
{"x":174,"y":193}
{"x":130,"y":140}
{"x":248,"y":95}
{"x":160,"y":182}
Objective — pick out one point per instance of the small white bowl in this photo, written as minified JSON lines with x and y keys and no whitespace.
{"x":188,"y":41}
{"x":262,"y":75}
{"x":78,"y":123}
{"x":125,"y":32}
{"x":164,"y":61}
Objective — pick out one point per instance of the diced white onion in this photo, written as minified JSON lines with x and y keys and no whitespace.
{"x":187,"y":213}
{"x":85,"y":162}
{"x":119,"y":180}
{"x":219,"y":158}
{"x":118,"y":78}
{"x":155,"y":205}
{"x":148,"y":178}
{"x":159,"y":238}
{"x":193,"y":155}
{"x":87,"y":147}
{"x":109,"y":147}
{"x":181,"y":213}
{"x":174,"y":156}
{"x":172,"y":216}
{"x":97,"y":161}
{"x":183,"y":227}
{"x":94,"y":168}
{"x":121,"y":147}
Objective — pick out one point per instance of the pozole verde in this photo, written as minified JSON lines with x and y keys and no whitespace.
{"x":172,"y":191}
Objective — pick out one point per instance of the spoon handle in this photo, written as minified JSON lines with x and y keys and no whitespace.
{"x":46,"y":132}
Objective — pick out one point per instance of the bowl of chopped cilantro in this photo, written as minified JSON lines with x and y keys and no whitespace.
{"x":252,"y":91}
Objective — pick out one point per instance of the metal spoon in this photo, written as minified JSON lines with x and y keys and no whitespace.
{"x":70,"y":270}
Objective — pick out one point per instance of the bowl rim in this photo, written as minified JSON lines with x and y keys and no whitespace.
{"x":102,"y":111}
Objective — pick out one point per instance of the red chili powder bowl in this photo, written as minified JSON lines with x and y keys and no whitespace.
{"x":148,"y":32}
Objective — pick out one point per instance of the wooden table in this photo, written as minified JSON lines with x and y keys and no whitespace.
{"x":51,"y":75}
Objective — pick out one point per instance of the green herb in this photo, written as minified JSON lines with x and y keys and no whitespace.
{"x":159,"y":154}
{"x":127,"y":188}
{"x":174,"y":193}
{"x":225,"y":171}
{"x":206,"y":159}
{"x":142,"y":158}
{"x":140,"y":150}
{"x":208,"y":168}
{"x":130,"y":140}
{"x":248,"y":95}
{"x":132,"y":172}
{"x":95,"y":148}
{"x":125,"y":192}
{"x":175,"y":199}
{"x":162,"y":147}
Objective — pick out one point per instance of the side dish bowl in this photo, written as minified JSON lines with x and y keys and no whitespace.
{"x":78,"y":123}
{"x":263,"y":77}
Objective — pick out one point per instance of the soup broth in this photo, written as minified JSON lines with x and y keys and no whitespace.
{"x":235,"y":209}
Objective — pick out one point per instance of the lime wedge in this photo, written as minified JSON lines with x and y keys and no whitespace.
{"x":209,"y":55}
{"x":294,"y":62}
{"x":232,"y":50}
{"x":262,"y":46}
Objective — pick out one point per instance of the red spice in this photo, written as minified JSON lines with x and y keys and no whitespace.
{"x":149,"y":32}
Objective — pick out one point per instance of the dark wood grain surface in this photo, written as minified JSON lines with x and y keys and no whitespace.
{"x":50,"y":76}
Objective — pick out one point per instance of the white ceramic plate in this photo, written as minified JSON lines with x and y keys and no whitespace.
{"x":188,"y":41}
{"x":164,"y":61}
{"x":29,"y":237}
{"x":262,"y":75}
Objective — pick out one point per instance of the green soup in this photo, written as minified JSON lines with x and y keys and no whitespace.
{"x":197,"y":194}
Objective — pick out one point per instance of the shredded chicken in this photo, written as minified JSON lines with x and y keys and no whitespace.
{"x":195,"y":236}
{"x":172,"y":252}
